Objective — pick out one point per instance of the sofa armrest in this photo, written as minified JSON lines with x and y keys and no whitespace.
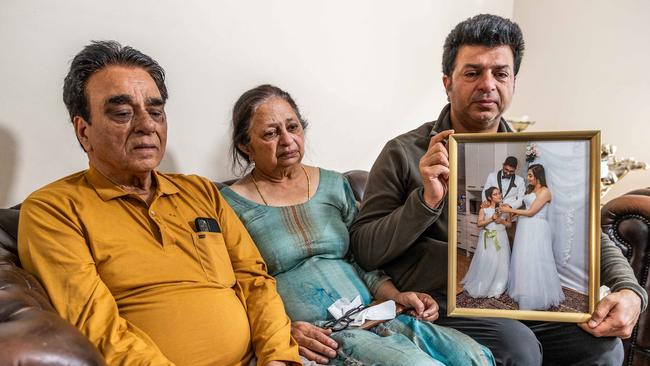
{"x":31,"y":332}
{"x":626,"y":219}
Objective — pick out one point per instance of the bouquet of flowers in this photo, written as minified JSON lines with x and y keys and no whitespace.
{"x":531,"y":153}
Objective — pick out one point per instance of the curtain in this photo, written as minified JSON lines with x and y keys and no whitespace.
{"x":566,"y":164}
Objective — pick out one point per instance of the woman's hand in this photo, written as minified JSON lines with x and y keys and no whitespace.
{"x":423,"y":306}
{"x":315,"y":343}
{"x":276,"y":363}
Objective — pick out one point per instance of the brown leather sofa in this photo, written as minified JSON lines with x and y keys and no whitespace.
{"x":31,"y":333}
{"x":626,"y":219}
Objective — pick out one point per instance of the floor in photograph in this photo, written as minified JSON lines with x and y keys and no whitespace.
{"x":574,"y":301}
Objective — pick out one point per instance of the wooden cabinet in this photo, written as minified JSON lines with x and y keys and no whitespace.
{"x":461,"y":232}
{"x":467,"y":233}
{"x":472,"y":232}
{"x":479,"y":162}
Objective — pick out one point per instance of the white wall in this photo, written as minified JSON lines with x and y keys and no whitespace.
{"x":586,"y":68}
{"x":362,"y":72}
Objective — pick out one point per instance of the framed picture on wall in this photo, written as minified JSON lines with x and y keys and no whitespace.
{"x":524,"y":225}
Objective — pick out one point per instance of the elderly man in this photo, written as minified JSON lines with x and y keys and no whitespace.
{"x":155,"y":269}
{"x":402,"y":226}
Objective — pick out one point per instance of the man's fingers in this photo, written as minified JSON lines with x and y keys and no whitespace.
{"x":312,"y":356}
{"x":602,"y":309}
{"x":417,"y":304}
{"x":430,"y":304}
{"x":439,"y":137}
{"x":319,"y":347}
{"x":324,"y":339}
{"x":612,"y":326}
{"x":314,"y":338}
{"x":604,"y":329}
{"x":435,"y":172}
{"x":435,"y":158}
{"x":430,"y":308}
{"x":430,"y":317}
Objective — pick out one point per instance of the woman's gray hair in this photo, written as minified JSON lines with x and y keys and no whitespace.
{"x":243,"y":113}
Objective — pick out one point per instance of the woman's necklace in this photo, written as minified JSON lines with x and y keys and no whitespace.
{"x":262,"y":196}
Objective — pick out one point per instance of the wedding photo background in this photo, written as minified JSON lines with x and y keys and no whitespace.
{"x":566,"y":165}
{"x":362,"y":71}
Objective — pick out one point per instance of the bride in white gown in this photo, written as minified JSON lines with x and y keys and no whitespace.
{"x":488,"y":273}
{"x":533,"y":280}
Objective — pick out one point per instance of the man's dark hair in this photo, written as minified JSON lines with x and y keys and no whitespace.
{"x":96,"y":56}
{"x":511,"y":161}
{"x":483,"y":30}
{"x":243,"y":113}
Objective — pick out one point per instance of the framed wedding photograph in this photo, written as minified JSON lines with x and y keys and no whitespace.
{"x":524,"y":238}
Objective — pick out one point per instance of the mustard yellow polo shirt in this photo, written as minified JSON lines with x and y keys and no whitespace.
{"x":142,"y":284}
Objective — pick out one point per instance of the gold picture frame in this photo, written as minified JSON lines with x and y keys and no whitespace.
{"x":458,"y":143}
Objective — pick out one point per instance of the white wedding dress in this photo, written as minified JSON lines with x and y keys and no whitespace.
{"x":533,"y":281}
{"x":488,"y":273}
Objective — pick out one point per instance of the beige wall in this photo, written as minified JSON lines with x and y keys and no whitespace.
{"x":362,"y":71}
{"x":586,"y":68}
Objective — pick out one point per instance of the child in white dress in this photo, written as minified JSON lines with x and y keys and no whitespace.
{"x":488,"y":271}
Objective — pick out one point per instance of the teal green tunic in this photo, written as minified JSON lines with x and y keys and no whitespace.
{"x":305,"y":247}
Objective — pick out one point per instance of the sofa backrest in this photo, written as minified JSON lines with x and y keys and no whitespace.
{"x":9,"y":235}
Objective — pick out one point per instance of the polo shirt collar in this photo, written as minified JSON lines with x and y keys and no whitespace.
{"x":444,"y":122}
{"x":108,"y":190}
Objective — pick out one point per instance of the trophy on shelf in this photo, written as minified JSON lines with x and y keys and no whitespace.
{"x":520,"y":123}
{"x":613,"y":169}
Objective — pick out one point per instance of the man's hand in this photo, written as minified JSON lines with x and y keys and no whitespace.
{"x":505,"y":209}
{"x":424,"y":307}
{"x":434,"y":169}
{"x":485,"y":204}
{"x":315,"y":344}
{"x":615,"y":315}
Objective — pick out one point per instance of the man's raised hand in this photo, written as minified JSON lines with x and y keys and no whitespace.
{"x":434,"y":169}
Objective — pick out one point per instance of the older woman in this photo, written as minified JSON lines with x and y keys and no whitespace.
{"x":298,"y":216}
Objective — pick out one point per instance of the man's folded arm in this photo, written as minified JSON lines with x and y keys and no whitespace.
{"x":53,"y":248}
{"x":391,"y":218}
{"x":269,"y":324}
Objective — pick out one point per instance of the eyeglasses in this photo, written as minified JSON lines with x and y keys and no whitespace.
{"x":344,"y":321}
